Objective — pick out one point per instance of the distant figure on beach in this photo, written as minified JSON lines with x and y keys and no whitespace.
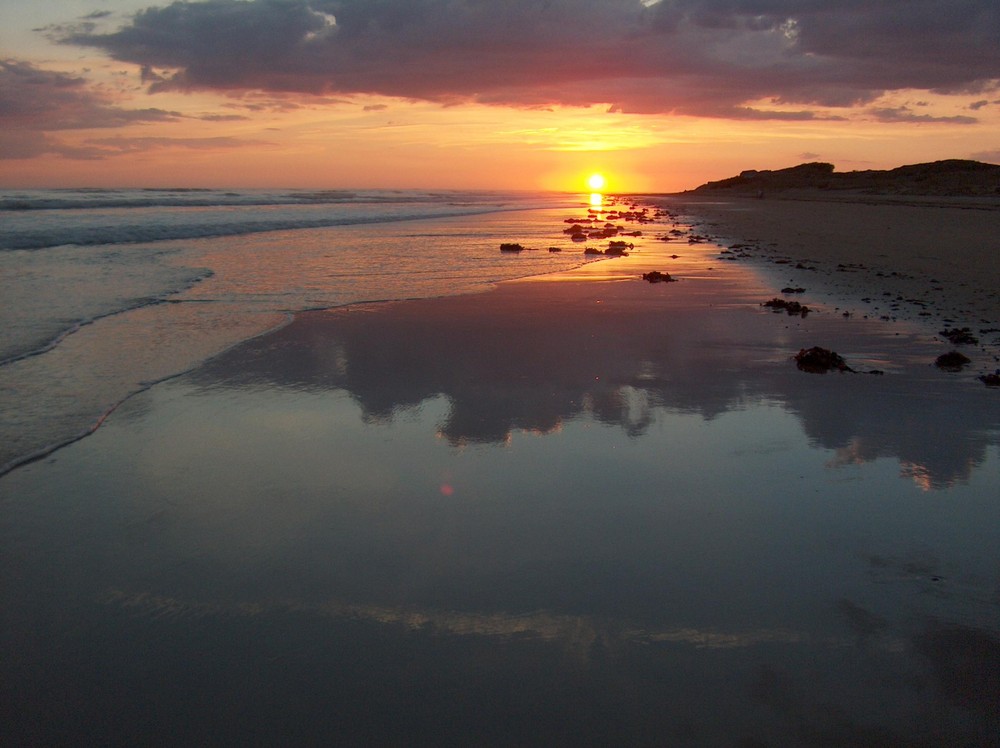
{"x":760,"y":194}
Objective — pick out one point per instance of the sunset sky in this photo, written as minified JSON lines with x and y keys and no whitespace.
{"x":657,"y":96}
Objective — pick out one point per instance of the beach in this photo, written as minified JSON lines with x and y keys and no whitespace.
{"x":572,"y":507}
{"x":942,"y":254}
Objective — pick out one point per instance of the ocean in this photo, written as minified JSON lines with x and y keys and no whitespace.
{"x":106,"y":291}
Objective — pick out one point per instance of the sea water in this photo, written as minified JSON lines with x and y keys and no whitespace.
{"x":105,"y":291}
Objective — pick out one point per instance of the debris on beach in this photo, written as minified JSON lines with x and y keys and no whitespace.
{"x":511,"y":247}
{"x":952,"y":361}
{"x":617,"y":248}
{"x":959,"y":336}
{"x":656,"y":276}
{"x":792,"y":307}
{"x":789,"y":289}
{"x":818,"y":360}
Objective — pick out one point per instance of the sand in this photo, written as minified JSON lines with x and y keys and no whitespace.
{"x":944,"y":253}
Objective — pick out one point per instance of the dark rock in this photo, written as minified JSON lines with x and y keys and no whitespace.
{"x":818,"y":360}
{"x":991,"y":380}
{"x":511,"y":247}
{"x":657,"y":277}
{"x":953,"y":361}
{"x":789,"y":289}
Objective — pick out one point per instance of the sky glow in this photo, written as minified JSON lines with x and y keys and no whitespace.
{"x":514,"y":94}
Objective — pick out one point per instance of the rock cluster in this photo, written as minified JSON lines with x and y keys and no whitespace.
{"x":793,"y":308}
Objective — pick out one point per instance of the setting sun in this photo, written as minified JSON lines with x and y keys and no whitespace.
{"x":596,"y":182}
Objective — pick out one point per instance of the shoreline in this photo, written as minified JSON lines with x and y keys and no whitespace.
{"x":790,"y":243}
{"x":934,"y":265}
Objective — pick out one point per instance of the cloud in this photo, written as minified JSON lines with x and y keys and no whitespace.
{"x":35,"y":103}
{"x":35,"y":99}
{"x":223,"y":117}
{"x":24,"y":144}
{"x":990,"y":157}
{"x":905,"y":114}
{"x":685,"y":56}
{"x":119,"y":145}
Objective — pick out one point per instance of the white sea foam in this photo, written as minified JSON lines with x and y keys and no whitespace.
{"x":48,"y":218}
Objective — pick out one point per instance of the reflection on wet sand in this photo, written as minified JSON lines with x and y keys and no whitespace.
{"x":576,"y":633}
{"x":530,"y":360}
{"x":348,"y":532}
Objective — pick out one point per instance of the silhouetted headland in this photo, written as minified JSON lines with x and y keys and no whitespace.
{"x":948,"y":178}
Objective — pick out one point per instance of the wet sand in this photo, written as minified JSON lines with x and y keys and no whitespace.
{"x":573,"y":509}
{"x":935,"y":259}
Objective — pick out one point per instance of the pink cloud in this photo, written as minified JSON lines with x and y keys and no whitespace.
{"x":685,"y":56}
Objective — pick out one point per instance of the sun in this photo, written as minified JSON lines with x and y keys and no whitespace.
{"x":596,"y":182}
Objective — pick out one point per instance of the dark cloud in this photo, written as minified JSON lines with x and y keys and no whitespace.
{"x":18,"y":144}
{"x":35,"y":99}
{"x":709,"y":57}
{"x":36,"y":103}
{"x":905,"y":114}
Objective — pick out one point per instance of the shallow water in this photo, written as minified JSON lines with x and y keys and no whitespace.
{"x":88,"y":325}
{"x":550,"y":519}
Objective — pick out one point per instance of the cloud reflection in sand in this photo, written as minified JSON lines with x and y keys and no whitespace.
{"x":524,"y":363}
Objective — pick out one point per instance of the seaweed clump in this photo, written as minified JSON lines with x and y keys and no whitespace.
{"x":991,"y":380}
{"x":818,"y":360}
{"x":792,"y":307}
{"x":952,"y":361}
{"x":655,"y":276}
{"x":959,"y":336}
